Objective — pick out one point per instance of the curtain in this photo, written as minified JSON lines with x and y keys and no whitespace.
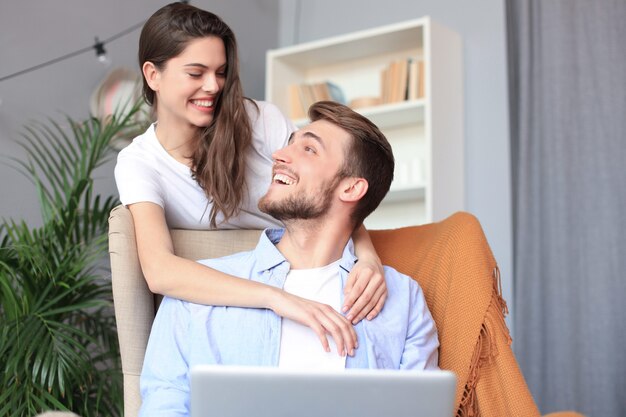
{"x":567,"y":75}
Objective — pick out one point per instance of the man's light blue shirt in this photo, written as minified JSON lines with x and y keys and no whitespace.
{"x":402,"y":336}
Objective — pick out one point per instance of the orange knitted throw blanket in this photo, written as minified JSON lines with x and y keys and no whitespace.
{"x":455,"y":267}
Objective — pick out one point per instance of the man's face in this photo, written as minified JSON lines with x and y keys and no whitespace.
{"x":305,"y":174}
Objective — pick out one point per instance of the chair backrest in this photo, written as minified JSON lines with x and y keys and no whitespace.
{"x":135,"y":305}
{"x":450,"y":259}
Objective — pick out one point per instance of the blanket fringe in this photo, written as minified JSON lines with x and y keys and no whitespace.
{"x":486,"y":346}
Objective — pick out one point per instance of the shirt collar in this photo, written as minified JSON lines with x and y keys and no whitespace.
{"x":269,"y":257}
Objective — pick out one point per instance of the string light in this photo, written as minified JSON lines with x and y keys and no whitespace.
{"x":98,"y":46}
{"x":45,"y":64}
{"x":101,"y":53}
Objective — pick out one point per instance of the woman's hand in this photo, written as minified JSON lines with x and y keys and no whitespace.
{"x":321,"y":318}
{"x":366,"y":290}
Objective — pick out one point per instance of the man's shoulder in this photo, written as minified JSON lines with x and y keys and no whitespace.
{"x":232,"y":264}
{"x":399,"y":283}
{"x":246,"y":264}
{"x":238,"y":264}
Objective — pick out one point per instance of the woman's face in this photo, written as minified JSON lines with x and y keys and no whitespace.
{"x":188,"y":87}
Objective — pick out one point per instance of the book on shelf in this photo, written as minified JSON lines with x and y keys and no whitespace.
{"x":385,"y":83}
{"x":416,"y":79}
{"x":399,"y":88}
{"x":302,"y":96}
{"x":295,"y":103}
{"x":402,"y":80}
{"x":413,"y":87}
{"x":393,"y":82}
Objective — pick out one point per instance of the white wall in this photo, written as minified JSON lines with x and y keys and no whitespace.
{"x":481,"y":24}
{"x":32,"y":32}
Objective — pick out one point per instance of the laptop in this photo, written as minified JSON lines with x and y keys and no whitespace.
{"x":238,"y":391}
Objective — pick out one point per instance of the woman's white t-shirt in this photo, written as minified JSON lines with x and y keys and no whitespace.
{"x":145,"y":172}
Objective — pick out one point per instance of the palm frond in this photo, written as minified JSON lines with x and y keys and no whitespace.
{"x":58,"y":344}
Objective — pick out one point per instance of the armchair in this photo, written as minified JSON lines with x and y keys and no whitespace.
{"x":451,"y":260}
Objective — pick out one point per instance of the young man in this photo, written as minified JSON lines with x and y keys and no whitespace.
{"x":333,"y":174}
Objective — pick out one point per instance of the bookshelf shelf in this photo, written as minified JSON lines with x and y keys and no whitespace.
{"x":408,"y":193}
{"x":426,"y":133}
{"x":389,"y":115}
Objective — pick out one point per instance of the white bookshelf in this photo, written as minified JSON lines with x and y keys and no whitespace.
{"x":426,"y":134}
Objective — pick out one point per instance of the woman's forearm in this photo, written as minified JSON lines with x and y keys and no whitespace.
{"x":363,"y":246}
{"x":366,"y":290}
{"x":176,"y":277}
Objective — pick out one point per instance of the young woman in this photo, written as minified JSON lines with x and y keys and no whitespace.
{"x":205,"y":163}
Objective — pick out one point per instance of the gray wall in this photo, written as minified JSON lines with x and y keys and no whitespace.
{"x":32,"y":32}
{"x":481,"y":24}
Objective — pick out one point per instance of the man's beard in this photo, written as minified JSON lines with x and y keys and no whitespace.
{"x":301,"y":206}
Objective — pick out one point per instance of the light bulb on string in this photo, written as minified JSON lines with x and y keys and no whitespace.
{"x":101,"y":53}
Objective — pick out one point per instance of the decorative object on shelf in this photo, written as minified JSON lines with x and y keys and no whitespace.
{"x":58,"y":344}
{"x":409,"y":173}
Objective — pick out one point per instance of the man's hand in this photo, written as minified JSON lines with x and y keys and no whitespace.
{"x":321,"y":318}
{"x":366,"y":290}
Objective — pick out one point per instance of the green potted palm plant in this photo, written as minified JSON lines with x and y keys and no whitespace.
{"x":58,"y":343}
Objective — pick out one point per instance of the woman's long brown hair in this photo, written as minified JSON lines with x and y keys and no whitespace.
{"x":218,"y":161}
